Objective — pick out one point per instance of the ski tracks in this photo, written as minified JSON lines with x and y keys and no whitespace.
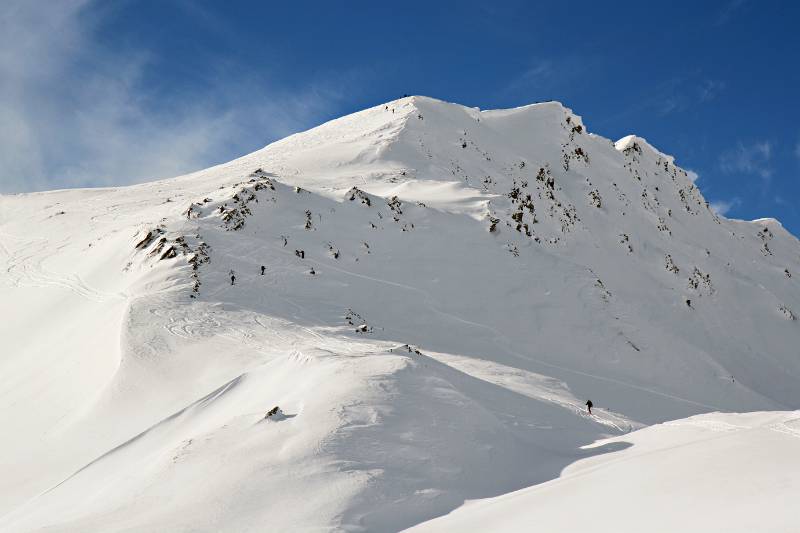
{"x":716,"y":426}
{"x":25,"y":268}
{"x":264,"y":334}
{"x":535,"y":386}
{"x":789,"y":427}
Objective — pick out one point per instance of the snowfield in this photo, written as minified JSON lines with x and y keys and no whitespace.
{"x":710,"y":473}
{"x":443,"y":288}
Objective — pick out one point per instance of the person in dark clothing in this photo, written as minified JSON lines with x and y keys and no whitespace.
{"x":263,"y":268}
{"x":233,"y":278}
{"x":589,"y":405}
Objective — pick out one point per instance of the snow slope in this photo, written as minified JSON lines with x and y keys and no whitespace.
{"x":444,"y":288}
{"x":705,"y":473}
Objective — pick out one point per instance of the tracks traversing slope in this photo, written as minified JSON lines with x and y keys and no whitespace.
{"x":25,"y":267}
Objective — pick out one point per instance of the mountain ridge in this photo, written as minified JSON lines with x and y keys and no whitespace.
{"x":443,"y":289}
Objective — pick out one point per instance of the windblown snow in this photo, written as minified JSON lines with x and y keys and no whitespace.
{"x":443,"y":289}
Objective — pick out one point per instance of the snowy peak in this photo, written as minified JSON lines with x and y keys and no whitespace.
{"x":428,"y":292}
{"x":454,"y":156}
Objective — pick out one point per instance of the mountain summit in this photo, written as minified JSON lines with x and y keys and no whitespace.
{"x":429,"y":292}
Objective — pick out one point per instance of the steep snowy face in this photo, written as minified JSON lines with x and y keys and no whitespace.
{"x":623,"y":214}
{"x":429,"y":292}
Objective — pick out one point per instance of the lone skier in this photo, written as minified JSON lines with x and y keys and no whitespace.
{"x":263,"y":268}
{"x":233,"y":278}
{"x":589,"y":405}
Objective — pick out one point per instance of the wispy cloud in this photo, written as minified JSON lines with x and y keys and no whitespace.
{"x":728,"y":11}
{"x":669,"y":104}
{"x":674,"y":95}
{"x":73,"y":113}
{"x":542,"y":77}
{"x":682,"y":94}
{"x":538,"y":75}
{"x":723,"y":207}
{"x":751,"y":158}
{"x":710,"y":89}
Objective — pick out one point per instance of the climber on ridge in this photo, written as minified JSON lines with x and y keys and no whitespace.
{"x":589,"y":406}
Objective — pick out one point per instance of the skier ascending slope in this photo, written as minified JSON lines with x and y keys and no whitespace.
{"x":233,"y":278}
{"x":589,"y":405}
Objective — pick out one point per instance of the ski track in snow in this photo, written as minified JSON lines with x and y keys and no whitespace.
{"x":28,"y":270}
{"x":788,"y":427}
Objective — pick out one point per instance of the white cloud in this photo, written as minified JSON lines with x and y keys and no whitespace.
{"x":748,"y":159}
{"x":536,"y":76}
{"x":710,"y":89}
{"x":541,"y":77}
{"x":729,"y":11}
{"x":669,"y":104}
{"x":74,"y":114}
{"x":692,"y":175}
{"x":539,"y":71}
{"x":680,"y":94}
{"x":722,"y":207}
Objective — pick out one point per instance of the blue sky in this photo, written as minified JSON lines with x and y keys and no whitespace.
{"x":100,"y":93}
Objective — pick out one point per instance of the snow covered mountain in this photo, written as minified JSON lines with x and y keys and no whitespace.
{"x":443,"y":288}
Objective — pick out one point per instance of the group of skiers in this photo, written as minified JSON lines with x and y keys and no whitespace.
{"x":264,"y":269}
{"x":233,"y":274}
